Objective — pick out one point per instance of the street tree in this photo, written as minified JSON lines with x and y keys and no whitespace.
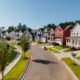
{"x":25,"y":44}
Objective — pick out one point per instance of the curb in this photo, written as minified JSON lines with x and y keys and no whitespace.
{"x":25,"y":70}
{"x":65,"y":65}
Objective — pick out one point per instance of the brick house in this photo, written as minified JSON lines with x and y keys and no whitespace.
{"x":66,"y":34}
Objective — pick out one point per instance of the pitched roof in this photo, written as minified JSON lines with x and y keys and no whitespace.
{"x":67,"y":27}
{"x":77,"y":24}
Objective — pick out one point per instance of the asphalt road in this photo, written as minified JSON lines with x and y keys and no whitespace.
{"x":45,"y":66}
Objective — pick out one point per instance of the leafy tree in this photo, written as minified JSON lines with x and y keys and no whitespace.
{"x":11,"y":28}
{"x":77,"y":21}
{"x":63,"y":25}
{"x":30,"y":30}
{"x":25,"y":44}
{"x":50,"y":26}
{"x":3,"y":56}
{"x":21,"y":27}
{"x":24,"y":27}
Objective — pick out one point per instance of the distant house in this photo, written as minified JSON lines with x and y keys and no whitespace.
{"x":39,"y":34}
{"x":51,"y":34}
{"x":45,"y":34}
{"x":74,"y":39}
{"x":59,"y":35}
{"x":20,"y":33}
{"x":27,"y":34}
{"x":12,"y":35}
{"x":66,"y":34}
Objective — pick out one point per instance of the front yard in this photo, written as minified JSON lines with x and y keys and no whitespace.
{"x":18,"y":69}
{"x":53,"y":50}
{"x":75,"y":68}
{"x":69,"y":50}
{"x":58,"y":47}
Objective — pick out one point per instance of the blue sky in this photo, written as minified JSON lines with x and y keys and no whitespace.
{"x":37,"y":13}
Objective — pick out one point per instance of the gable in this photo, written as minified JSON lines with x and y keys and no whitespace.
{"x":76,"y":30}
{"x":59,"y":32}
{"x":51,"y":30}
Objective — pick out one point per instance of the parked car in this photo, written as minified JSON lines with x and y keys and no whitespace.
{"x":55,"y":43}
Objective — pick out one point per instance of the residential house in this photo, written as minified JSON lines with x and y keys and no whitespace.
{"x":27,"y":34}
{"x":12,"y":35}
{"x":20,"y":33}
{"x":45,"y":36}
{"x":39,"y":34}
{"x":74,"y":39}
{"x":51,"y":34}
{"x":59,"y":35}
{"x":66,"y":33}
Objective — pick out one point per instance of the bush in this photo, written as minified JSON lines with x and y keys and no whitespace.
{"x":8,"y":38}
{"x":39,"y":42}
{"x":12,"y":55}
{"x":73,"y":54}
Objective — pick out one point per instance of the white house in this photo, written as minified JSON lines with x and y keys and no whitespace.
{"x":20,"y":33}
{"x":12,"y":35}
{"x":45,"y":34}
{"x":74,"y":39}
{"x":39,"y":34}
{"x":27,"y":34}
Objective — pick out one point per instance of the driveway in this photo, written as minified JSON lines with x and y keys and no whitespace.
{"x":45,"y":66}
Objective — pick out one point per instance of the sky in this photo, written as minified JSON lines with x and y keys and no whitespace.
{"x":37,"y":13}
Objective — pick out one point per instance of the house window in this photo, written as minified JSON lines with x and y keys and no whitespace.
{"x":77,"y":33}
{"x":68,"y":40}
{"x":72,"y":41}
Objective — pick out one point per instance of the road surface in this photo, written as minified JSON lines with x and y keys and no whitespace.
{"x":45,"y":66}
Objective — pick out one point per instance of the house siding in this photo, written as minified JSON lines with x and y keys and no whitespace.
{"x":59,"y":35}
{"x":74,"y":39}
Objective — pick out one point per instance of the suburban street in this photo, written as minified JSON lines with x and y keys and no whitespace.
{"x":45,"y":66}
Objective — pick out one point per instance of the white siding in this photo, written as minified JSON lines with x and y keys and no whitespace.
{"x":76,"y":31}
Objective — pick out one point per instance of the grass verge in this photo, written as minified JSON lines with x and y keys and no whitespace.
{"x":18,"y":69}
{"x":75,"y":68}
{"x":69,"y":50}
{"x":78,"y":58}
{"x":53,"y":50}
{"x":58,"y":47}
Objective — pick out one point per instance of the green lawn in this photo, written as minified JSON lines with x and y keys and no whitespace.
{"x":75,"y":68}
{"x":69,"y":50}
{"x":58,"y":47}
{"x":53,"y":50}
{"x":78,"y":58}
{"x":18,"y":69}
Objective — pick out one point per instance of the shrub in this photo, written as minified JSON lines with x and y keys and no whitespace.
{"x":8,"y":38}
{"x":12,"y":54}
{"x":73,"y":54}
{"x":39,"y":42}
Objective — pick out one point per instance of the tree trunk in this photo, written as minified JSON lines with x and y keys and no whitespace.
{"x":2,"y":75}
{"x":24,"y":54}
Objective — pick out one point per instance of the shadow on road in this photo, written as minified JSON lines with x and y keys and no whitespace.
{"x":43,"y":61}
